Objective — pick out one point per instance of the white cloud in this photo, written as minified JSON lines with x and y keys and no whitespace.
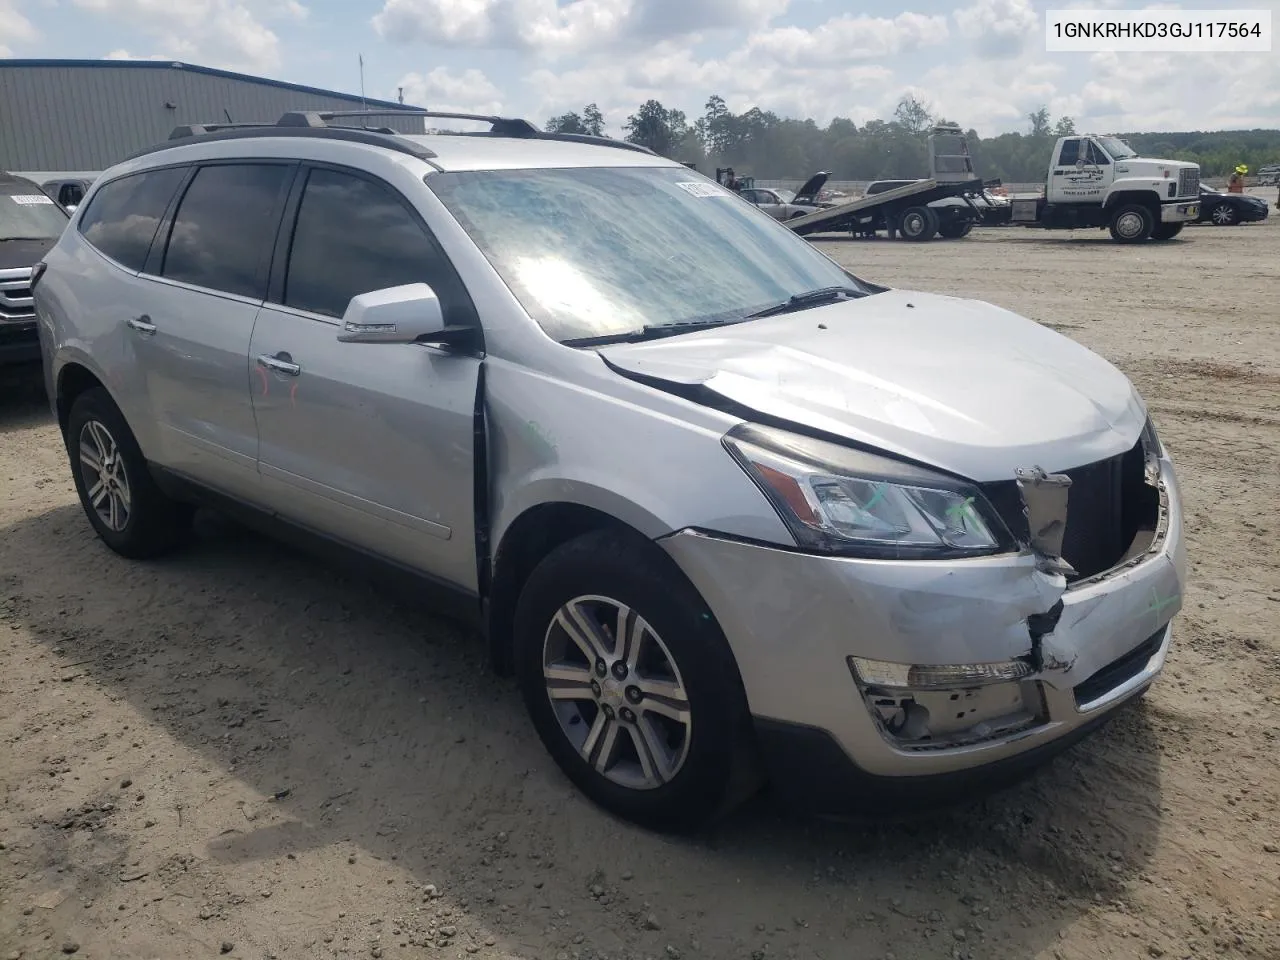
{"x":999,"y":29}
{"x":846,"y":38}
{"x":17,"y":28}
{"x":467,"y":92}
{"x":222,"y":33}
{"x":549,"y":28}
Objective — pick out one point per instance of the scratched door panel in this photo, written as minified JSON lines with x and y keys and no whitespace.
{"x":369,"y":443}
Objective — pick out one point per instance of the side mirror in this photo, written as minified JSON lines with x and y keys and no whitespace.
{"x":405,"y":314}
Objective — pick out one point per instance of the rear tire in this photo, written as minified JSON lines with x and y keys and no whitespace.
{"x":677,"y":754}
{"x":1132,"y":223}
{"x":918,"y":224}
{"x":955,"y":230}
{"x":1166,"y":231}
{"x":124,"y":505}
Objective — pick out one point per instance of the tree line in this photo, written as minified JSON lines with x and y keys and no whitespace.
{"x":760,"y":143}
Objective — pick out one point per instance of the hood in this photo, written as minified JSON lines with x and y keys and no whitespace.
{"x":23,"y":253}
{"x":960,"y":384}
{"x":809,"y":190}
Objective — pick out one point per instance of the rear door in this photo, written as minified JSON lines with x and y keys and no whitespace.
{"x":371,"y":444}
{"x":208,"y":276}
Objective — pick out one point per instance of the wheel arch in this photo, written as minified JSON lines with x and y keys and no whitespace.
{"x":530,"y":537}
{"x":73,"y":379}
{"x":1147,"y":198}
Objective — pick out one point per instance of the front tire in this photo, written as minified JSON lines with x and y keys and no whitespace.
{"x":119,"y":496}
{"x":1132,"y":223}
{"x":918,"y":224}
{"x":1224,"y":215}
{"x":631,"y":685}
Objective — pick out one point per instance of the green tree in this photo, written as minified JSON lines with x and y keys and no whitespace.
{"x":1065,"y":127}
{"x":593,"y":120}
{"x":912,"y":115}
{"x":656,"y":127}
{"x":566,"y":123}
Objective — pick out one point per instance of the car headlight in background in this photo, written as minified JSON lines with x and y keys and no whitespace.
{"x":837,"y":499}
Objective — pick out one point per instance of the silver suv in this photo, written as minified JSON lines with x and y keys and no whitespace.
{"x":729,"y":513}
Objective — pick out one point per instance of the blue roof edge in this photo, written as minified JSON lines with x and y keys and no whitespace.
{"x":207,"y":71}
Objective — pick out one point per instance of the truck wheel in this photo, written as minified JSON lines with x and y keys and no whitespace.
{"x":1132,"y":223}
{"x":918,"y":224}
{"x":955,"y":230}
{"x":1166,"y":231}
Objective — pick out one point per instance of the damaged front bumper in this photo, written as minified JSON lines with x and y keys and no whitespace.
{"x":794,"y":621}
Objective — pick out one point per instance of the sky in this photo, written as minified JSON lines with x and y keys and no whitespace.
{"x":980,"y":63}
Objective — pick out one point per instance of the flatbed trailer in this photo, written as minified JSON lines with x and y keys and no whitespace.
{"x":901,"y":211}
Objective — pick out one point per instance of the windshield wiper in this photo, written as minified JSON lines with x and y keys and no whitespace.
{"x":653,"y":331}
{"x":811,"y":298}
{"x":6,"y":239}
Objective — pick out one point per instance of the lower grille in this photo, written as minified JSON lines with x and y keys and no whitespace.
{"x":15,"y":295}
{"x":1108,"y":504}
{"x":1118,"y":671}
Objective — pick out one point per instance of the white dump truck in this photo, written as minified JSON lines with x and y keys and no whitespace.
{"x":1100,"y":181}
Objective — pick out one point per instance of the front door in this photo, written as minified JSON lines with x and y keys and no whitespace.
{"x":371,"y":444}
{"x":207,"y":280}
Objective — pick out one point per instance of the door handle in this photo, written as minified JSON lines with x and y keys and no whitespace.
{"x":142,"y":325}
{"x":280,"y":364}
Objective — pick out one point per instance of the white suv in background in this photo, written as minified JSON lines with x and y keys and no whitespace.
{"x":729,"y":513}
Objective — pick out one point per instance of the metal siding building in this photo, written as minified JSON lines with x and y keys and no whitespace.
{"x":85,"y":115}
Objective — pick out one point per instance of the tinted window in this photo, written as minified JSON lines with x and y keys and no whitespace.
{"x":225,"y":227}
{"x":1070,"y":153}
{"x":123,"y":217}
{"x":354,"y":236}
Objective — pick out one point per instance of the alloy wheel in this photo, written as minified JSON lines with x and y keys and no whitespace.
{"x":1223,"y":215}
{"x":617,"y":692}
{"x":106,"y":483}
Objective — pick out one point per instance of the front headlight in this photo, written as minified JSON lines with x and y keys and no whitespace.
{"x":836,"y":499}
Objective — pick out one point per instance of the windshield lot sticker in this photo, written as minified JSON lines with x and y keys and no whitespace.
{"x":29,"y":199}
{"x":696,"y":189}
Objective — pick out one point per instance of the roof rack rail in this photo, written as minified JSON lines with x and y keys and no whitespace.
{"x":196,"y":129}
{"x":503,"y":126}
{"x":498,"y":126}
{"x":312,"y":123}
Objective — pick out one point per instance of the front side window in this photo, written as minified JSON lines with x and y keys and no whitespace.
{"x":1095,"y":156}
{"x":225,"y":226}
{"x":29,"y":214}
{"x":124,"y":214}
{"x":612,"y":251}
{"x":1070,"y":153}
{"x":355,"y":236}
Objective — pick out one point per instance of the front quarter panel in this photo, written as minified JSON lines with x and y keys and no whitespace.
{"x":647,"y":459}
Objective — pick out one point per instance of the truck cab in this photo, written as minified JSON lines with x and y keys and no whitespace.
{"x":1100,"y":181}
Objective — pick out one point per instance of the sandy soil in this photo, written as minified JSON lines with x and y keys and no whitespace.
{"x":238,"y":751}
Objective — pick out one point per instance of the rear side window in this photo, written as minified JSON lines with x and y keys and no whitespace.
{"x":122,"y":218}
{"x":354,"y":236}
{"x":225,"y":228}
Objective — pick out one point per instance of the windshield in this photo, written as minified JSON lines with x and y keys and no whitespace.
{"x":1117,"y":148}
{"x":30,"y":216}
{"x":607,"y":251}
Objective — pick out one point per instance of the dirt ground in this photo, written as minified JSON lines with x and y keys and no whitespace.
{"x":239,"y":751}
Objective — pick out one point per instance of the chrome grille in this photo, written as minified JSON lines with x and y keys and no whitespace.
{"x":1189,"y":182}
{"x":15,"y":295}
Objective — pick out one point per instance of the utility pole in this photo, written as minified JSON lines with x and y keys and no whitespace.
{"x":363,"y":105}
{"x":400,"y":93}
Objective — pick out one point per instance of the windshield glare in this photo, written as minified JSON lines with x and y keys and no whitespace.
{"x":30,"y":215}
{"x":1116,"y":148}
{"x":607,"y":251}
